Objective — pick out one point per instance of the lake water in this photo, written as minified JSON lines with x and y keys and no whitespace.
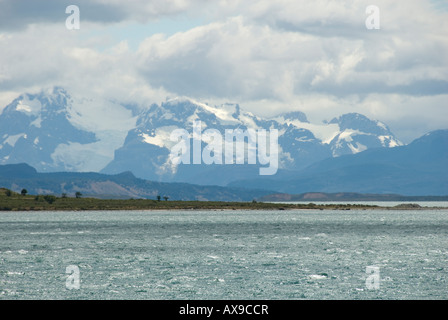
{"x":298,"y":254}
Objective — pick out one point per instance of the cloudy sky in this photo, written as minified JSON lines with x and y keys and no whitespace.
{"x":268,"y":56}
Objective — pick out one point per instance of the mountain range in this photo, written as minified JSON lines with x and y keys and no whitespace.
{"x":419,"y":168}
{"x":54,"y":131}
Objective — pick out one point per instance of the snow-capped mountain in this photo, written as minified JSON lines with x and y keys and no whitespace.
{"x":358,"y":133}
{"x":32,"y":127}
{"x":55,"y":131}
{"x":147,"y":147}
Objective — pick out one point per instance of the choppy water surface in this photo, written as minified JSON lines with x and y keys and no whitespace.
{"x":301,"y":254}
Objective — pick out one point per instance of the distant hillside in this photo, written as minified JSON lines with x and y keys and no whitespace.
{"x":420,"y":169}
{"x":125,"y":185}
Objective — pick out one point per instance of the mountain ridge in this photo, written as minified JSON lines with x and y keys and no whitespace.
{"x":56,"y":131}
{"x":123,"y":185}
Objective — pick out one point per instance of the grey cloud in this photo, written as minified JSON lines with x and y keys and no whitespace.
{"x":324,"y":28}
{"x":16,"y":15}
{"x":426,"y":87}
{"x":235,"y":59}
{"x":214,"y":61}
{"x":274,"y":56}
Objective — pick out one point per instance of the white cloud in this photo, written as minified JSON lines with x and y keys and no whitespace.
{"x":269,"y":56}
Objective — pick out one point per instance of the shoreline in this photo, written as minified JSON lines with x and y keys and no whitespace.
{"x":29,"y":203}
{"x":13,"y":201}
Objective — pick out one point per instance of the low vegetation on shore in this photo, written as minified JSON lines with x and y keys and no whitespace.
{"x":13,"y":201}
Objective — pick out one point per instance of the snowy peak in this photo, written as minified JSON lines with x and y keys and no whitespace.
{"x":356,"y":121}
{"x":359,"y":133}
{"x":25,"y":104}
{"x":189,"y":110}
{"x":29,"y":110}
{"x":34,"y":125}
{"x":154,"y":126}
{"x":183,"y":112}
{"x":48,"y":101}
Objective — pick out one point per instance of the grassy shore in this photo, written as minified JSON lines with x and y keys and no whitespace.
{"x":28,"y":203}
{"x":11,"y":201}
